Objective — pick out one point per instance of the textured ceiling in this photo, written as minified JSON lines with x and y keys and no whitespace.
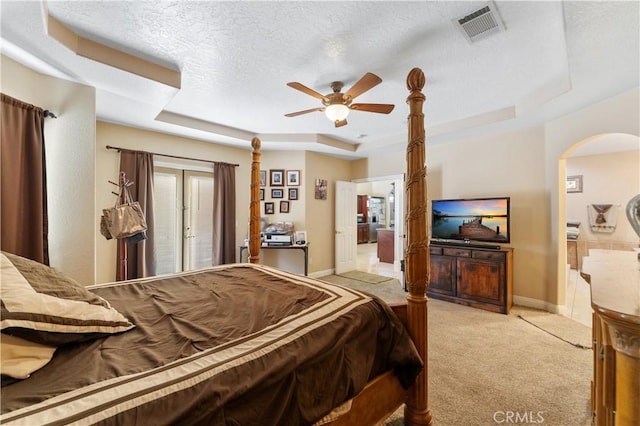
{"x":235,"y":59}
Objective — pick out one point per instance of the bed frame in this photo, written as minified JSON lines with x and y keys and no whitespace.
{"x":384,"y":395}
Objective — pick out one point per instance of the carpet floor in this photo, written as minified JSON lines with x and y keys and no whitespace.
{"x":365,"y":277}
{"x":486,"y":368}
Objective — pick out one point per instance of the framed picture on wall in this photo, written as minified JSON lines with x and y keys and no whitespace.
{"x":268,"y":207}
{"x":276,"y":177}
{"x":277,"y":193}
{"x":574,"y":183}
{"x":293,"y":177}
{"x":321,"y":189}
{"x":263,"y":178}
{"x":284,"y":207}
{"x":261,"y":194}
{"x":293,"y":193}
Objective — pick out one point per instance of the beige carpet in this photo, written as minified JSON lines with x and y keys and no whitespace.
{"x":390,"y":291}
{"x":558,"y":326}
{"x":485,"y":366}
{"x":365,"y":277}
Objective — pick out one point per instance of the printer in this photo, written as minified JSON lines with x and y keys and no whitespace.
{"x":278,"y":234}
{"x":277,"y":238}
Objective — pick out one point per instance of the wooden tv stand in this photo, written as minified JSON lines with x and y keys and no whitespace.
{"x":472,"y":276}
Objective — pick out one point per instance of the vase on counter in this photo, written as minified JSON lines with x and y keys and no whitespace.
{"x":633,"y":213}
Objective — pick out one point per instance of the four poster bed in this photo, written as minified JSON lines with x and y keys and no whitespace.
{"x":233,"y":344}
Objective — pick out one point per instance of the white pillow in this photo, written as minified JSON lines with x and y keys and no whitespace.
{"x":52,"y":309}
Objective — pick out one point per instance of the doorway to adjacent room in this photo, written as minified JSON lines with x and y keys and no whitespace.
{"x":381,"y":211}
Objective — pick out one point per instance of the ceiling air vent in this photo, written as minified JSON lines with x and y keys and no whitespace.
{"x":480,"y":23}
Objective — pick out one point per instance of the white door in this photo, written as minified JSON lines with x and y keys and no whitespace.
{"x":346,"y":244}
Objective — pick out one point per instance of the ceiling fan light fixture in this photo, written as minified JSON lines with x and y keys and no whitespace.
{"x":336,"y":112}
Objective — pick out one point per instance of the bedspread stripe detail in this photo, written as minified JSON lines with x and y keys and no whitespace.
{"x":88,"y":405}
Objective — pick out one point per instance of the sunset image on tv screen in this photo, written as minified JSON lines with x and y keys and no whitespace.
{"x":471,"y":219}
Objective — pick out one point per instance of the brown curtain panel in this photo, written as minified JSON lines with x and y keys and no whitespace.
{"x":138,"y":168}
{"x":24,"y":223}
{"x":224,"y":213}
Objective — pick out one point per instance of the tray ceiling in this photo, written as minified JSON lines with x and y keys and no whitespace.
{"x":233,"y":60}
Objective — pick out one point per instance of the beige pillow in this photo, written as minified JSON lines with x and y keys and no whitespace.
{"x":19,"y":357}
{"x":43,"y":306}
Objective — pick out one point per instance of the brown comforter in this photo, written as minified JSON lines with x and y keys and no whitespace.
{"x":234,"y":345}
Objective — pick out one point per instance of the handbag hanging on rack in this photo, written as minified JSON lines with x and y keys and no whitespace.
{"x":125,"y":219}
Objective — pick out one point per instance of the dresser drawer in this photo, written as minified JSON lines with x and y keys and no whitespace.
{"x":435,"y":250}
{"x":458,"y":252}
{"x":497,"y":256}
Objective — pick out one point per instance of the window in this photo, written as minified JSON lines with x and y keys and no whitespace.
{"x":183,"y":203}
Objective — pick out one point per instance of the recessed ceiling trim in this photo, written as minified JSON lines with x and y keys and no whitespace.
{"x":335,"y":143}
{"x":542,"y":95}
{"x":308,"y":138}
{"x":30,"y":61}
{"x":495,"y":116}
{"x":207,"y":126}
{"x":109,"y":56}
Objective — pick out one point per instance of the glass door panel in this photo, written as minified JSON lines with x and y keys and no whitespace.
{"x":198,"y":230}
{"x":167,"y":220}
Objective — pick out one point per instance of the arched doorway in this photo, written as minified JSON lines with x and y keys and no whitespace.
{"x":606,"y":168}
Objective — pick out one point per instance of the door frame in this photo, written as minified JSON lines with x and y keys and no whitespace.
{"x":398,"y":220}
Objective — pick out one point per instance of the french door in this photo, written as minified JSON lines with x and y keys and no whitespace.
{"x":183,"y":206}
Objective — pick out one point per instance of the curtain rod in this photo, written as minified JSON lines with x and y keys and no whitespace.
{"x":49,"y":114}
{"x":168,"y":155}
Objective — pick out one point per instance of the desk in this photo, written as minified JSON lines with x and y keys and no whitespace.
{"x":303,"y":247}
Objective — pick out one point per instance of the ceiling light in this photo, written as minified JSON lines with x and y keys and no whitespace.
{"x":336,"y":112}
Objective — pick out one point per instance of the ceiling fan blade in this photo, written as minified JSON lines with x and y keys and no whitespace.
{"x":305,"y":89}
{"x":379,"y":108}
{"x":365,"y":83}
{"x":340,"y":123}
{"x":306,"y":111}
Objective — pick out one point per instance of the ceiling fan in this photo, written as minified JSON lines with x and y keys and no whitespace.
{"x":337,"y":104}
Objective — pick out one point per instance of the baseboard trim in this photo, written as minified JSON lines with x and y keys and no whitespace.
{"x":319,"y":274}
{"x":537,"y":304}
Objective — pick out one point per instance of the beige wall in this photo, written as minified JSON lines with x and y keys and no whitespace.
{"x":511,"y":164}
{"x":320,"y":213}
{"x":508,"y":164}
{"x":70,"y":154}
{"x":108,"y":162}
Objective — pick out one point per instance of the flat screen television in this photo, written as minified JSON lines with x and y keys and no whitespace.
{"x":471,"y":219}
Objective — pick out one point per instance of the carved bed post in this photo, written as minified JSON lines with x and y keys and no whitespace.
{"x":254,"y":205}
{"x":416,"y":255}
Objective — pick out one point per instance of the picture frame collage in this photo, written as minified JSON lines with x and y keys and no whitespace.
{"x":282,"y":185}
